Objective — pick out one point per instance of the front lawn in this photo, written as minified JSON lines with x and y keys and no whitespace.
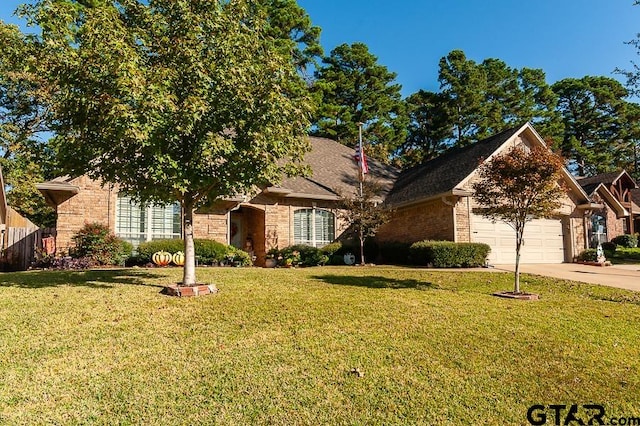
{"x":277,"y":346}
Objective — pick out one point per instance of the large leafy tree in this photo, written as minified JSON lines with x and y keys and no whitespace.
{"x":518,"y":186}
{"x":429,"y":128}
{"x":351,"y":88}
{"x":24,"y":154}
{"x":187,"y":100}
{"x":595,"y":118}
{"x":484,"y":98}
{"x":289,"y":22}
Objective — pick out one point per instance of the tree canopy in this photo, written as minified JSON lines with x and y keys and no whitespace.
{"x":187,"y":100}
{"x":351,"y":88}
{"x":24,"y":155}
{"x":597,"y":123}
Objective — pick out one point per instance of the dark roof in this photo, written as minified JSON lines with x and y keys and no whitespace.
{"x":606,"y":178}
{"x":334,"y":171}
{"x":590,"y":187}
{"x":444,"y":173}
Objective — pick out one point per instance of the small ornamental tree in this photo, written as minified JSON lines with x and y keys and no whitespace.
{"x":171,"y":100}
{"x":518,"y":186}
{"x":364,"y":213}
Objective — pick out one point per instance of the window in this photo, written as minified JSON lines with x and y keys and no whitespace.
{"x":313,"y":227}
{"x":137,"y":223}
{"x":598,"y":231}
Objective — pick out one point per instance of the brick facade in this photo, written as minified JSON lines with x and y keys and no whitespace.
{"x":94,"y":203}
{"x":430,"y":220}
{"x":265,"y":222}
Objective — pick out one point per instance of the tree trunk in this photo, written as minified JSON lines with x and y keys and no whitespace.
{"x":189,"y":270}
{"x":362,"y":248}
{"x":516,"y":287}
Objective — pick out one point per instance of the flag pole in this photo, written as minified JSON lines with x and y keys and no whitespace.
{"x":361,"y":162}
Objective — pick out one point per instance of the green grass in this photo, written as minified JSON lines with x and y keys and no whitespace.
{"x":276,"y":346}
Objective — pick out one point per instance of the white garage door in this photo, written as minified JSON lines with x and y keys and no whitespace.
{"x":543,"y":241}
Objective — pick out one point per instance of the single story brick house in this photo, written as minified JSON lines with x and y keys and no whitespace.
{"x":300,"y":210}
{"x":430,"y":201}
{"x":435,"y":201}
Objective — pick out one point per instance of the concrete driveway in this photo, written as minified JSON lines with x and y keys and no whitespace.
{"x":621,"y":276}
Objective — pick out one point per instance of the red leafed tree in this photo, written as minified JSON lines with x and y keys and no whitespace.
{"x":518,"y":186}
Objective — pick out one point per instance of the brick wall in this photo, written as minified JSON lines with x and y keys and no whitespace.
{"x":94,"y":203}
{"x":429,"y":220}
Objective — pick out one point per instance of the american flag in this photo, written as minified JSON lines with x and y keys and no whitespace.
{"x":361,"y":159}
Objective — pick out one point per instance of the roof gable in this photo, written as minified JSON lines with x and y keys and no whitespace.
{"x":446,"y":172}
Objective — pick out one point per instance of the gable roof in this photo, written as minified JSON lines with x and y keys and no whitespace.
{"x":446,"y":172}
{"x":333,"y":172}
{"x":606,"y":178}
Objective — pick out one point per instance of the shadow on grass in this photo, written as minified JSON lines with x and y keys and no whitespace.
{"x":375,"y":282}
{"x":100,"y":279}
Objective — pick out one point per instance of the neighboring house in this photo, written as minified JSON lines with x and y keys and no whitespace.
{"x":620,"y":213}
{"x":301,"y":210}
{"x":435,"y":201}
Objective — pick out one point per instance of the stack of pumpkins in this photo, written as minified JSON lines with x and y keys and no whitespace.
{"x":163,"y":258}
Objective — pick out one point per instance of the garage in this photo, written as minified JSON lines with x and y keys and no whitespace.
{"x":543,"y":240}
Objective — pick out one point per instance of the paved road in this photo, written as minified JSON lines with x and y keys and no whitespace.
{"x":621,"y":276}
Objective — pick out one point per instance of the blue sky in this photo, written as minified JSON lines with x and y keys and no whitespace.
{"x":566,"y":38}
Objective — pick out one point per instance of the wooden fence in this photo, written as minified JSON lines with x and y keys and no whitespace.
{"x":20,"y":248}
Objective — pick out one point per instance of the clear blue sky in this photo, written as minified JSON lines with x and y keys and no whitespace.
{"x":566,"y":38}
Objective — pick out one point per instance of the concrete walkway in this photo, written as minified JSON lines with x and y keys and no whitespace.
{"x":621,"y":276}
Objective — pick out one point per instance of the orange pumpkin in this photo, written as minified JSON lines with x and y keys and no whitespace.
{"x":178,"y":259}
{"x":161,"y":258}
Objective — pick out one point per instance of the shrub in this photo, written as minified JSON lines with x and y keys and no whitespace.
{"x":207,"y":251}
{"x":395,"y":253}
{"x":589,"y":255}
{"x":331,"y":249}
{"x":96,"y":242}
{"x":609,"y":246}
{"x":447,"y":254}
{"x":210,"y":251}
{"x":626,"y":240}
{"x":302,"y":255}
{"x":629,"y":254}
{"x":148,"y":248}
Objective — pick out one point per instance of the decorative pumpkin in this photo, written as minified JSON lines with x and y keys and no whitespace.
{"x":161,"y":258}
{"x":178,"y":259}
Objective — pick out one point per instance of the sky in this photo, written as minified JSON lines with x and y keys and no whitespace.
{"x":565,"y":38}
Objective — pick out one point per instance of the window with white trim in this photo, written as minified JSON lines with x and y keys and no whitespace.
{"x":313,"y":227}
{"x":137,"y":223}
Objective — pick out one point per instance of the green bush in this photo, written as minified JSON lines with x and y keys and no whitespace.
{"x":395,"y":253}
{"x":630,"y":254}
{"x":610,"y":246}
{"x":97,"y":243}
{"x":447,"y":254}
{"x":302,"y":255}
{"x":207,"y":251}
{"x":626,"y":240}
{"x":331,"y":249}
{"x":589,"y":255}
